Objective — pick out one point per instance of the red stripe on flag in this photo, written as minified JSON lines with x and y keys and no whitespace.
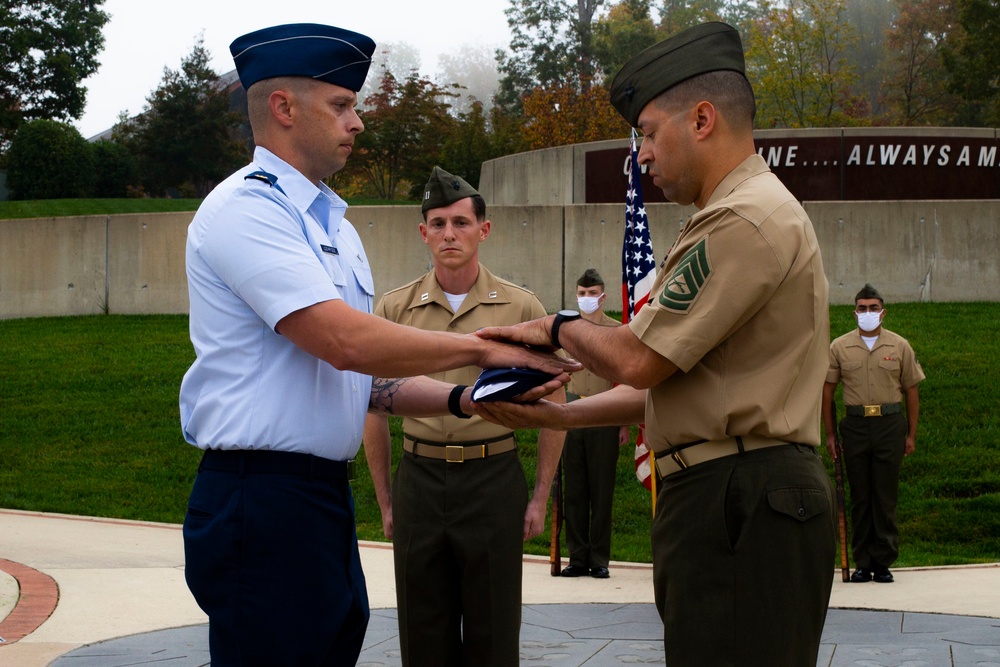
{"x":638,"y":271}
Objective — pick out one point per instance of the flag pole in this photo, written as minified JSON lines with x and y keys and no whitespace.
{"x":652,"y":478}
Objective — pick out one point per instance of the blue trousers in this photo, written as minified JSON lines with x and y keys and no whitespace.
{"x":272,"y":558}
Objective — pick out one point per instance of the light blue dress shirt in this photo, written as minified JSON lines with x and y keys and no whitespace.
{"x":256,"y":253}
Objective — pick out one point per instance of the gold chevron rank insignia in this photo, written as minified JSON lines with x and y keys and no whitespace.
{"x":688,"y":278}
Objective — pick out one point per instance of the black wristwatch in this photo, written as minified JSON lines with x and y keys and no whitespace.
{"x":562,"y":316}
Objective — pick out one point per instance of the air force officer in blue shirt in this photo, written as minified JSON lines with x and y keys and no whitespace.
{"x":281,"y":294}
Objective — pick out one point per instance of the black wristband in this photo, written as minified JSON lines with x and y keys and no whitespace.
{"x":561,"y":316}
{"x":455,"y":401}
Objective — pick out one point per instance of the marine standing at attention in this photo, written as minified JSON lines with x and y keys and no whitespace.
{"x":590,"y":457}
{"x":878,"y":369}
{"x":458,"y":511}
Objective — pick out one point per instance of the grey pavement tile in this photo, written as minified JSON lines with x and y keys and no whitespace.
{"x":605,"y":621}
{"x":558,"y":653}
{"x":825,"y":656}
{"x":892,"y":655}
{"x":975,"y":656}
{"x":945,"y":624}
{"x":381,"y":646}
{"x":176,"y":647}
{"x":385,"y":656}
{"x":541,"y":633}
{"x":619,"y":653}
{"x":611,"y":635}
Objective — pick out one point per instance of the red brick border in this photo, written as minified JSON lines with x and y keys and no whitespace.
{"x":38,"y":599}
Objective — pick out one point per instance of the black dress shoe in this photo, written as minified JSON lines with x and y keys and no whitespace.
{"x":574,"y":571}
{"x":861,"y":575}
{"x":882,"y":575}
{"x":599,"y":572}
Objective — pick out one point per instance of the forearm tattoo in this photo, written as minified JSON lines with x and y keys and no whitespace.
{"x":384,"y":392}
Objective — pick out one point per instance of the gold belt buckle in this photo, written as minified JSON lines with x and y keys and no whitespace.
{"x":873,"y":411}
{"x":454,"y":453}
{"x":676,"y":456}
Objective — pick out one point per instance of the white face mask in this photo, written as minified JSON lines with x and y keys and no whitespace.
{"x":588,"y":304}
{"x":869,"y":321}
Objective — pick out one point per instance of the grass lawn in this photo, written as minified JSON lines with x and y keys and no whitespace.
{"x":89,"y":425}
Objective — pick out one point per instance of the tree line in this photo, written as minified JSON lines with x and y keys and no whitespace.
{"x":813,"y":63}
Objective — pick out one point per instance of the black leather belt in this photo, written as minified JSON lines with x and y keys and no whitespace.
{"x":459,"y":452}
{"x":877,"y":410}
{"x":271,"y":462}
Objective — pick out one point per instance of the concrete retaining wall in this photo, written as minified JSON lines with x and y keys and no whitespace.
{"x":912,"y":251}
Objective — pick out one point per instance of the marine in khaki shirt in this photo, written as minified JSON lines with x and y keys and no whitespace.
{"x":878,"y":369}
{"x":724,"y":364}
{"x":458,"y":509}
{"x":423,"y":304}
{"x":590,"y":457}
{"x":718,"y":319}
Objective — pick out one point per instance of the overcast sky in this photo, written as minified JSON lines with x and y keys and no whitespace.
{"x":144,"y":37}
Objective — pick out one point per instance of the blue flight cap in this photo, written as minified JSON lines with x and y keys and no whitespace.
{"x":321,"y":52}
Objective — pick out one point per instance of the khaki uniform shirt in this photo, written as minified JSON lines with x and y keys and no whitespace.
{"x":741,"y":306}
{"x":873,"y":376}
{"x":585,"y":383}
{"x":491,"y":302}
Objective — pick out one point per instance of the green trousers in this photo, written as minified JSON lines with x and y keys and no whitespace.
{"x":458,"y":544}
{"x":590,"y":460}
{"x":873,"y":454}
{"x":743,"y":559}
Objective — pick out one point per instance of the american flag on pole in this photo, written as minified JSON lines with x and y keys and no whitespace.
{"x":638,"y":274}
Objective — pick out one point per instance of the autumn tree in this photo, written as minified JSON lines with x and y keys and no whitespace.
{"x":972,"y":58}
{"x":561,"y":115}
{"x":797,"y":61}
{"x":185,"y":139}
{"x":506,"y":132}
{"x":398,"y":58}
{"x":915,"y":85}
{"x":47,"y":48}
{"x":406,"y":123}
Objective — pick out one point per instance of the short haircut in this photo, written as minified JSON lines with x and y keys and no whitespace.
{"x":478,"y":208}
{"x":729,"y":91}
{"x":259,"y":96}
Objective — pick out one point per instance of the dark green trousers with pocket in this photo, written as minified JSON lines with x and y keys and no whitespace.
{"x":590,"y":460}
{"x":873,"y":455}
{"x":458,"y":543}
{"x":743,"y":559}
